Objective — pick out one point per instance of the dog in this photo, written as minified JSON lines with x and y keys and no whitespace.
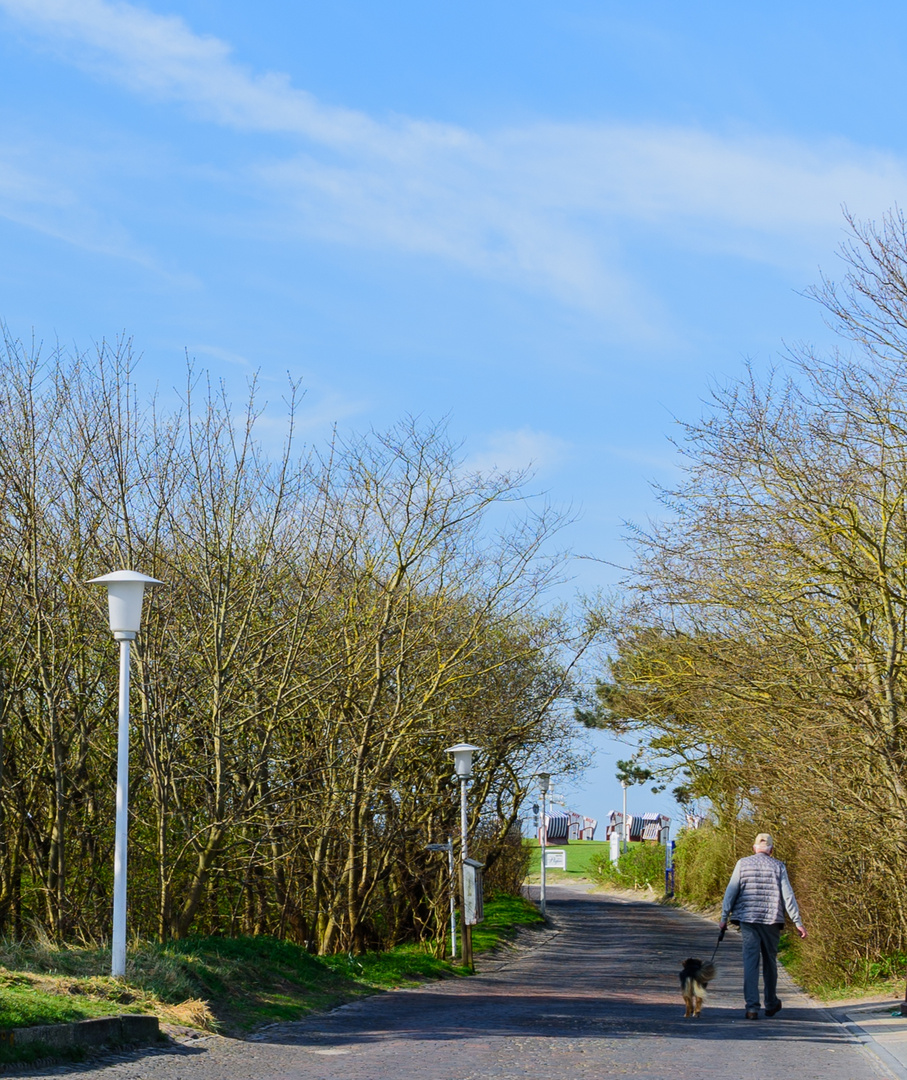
{"x":695,"y":976}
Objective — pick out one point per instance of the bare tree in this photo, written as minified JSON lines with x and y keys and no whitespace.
{"x":765,"y":653}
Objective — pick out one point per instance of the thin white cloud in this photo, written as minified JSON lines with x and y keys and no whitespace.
{"x":160,"y":55}
{"x":32,"y":197}
{"x":660,"y":460}
{"x":324,"y":409}
{"x":315,"y":419}
{"x":217,"y":353}
{"x":515,"y":451}
{"x":547,"y":206}
{"x":53,"y":190}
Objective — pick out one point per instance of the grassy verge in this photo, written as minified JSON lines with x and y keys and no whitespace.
{"x":232,"y":985}
{"x":860,"y":981}
{"x":504,"y":916}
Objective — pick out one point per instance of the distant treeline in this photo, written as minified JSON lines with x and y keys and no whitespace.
{"x":762,"y":657}
{"x":331,"y":621}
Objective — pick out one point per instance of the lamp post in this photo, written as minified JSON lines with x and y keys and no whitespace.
{"x":125,"y":589}
{"x":544,"y":780}
{"x":624,"y":832}
{"x":462,"y":755}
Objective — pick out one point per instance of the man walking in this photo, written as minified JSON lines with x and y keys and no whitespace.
{"x":757,"y":896}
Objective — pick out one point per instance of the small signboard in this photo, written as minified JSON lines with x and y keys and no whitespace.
{"x":555,"y":859}
{"x":473,"y":901}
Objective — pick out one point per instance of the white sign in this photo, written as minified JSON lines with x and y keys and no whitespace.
{"x":555,"y":859}
{"x":473,"y":904}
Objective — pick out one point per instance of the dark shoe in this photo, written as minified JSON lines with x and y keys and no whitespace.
{"x":774,"y":1011}
{"x":752,"y":1016}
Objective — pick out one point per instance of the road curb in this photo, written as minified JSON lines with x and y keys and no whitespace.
{"x":126,"y":1029}
{"x":896,"y":1062}
{"x":526,"y":941}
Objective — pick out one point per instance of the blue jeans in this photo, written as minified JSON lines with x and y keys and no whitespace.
{"x":760,"y":941}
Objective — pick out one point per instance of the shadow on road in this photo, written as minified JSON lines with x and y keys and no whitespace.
{"x":609,"y":972}
{"x":471,"y":1016}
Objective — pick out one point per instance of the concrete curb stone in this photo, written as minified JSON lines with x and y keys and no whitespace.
{"x":880,"y":1028}
{"x":126,"y":1029}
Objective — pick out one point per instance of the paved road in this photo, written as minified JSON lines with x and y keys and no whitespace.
{"x":597,"y":996}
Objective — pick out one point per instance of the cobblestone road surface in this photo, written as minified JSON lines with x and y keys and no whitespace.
{"x":597,"y":996}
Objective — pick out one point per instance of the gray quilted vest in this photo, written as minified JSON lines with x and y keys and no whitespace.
{"x":759,"y":899}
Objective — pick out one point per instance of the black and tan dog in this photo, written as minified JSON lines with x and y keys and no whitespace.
{"x":695,"y":976}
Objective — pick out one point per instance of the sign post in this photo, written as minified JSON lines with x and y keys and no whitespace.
{"x":449,"y":848}
{"x":544,"y":780}
{"x":665,"y":838}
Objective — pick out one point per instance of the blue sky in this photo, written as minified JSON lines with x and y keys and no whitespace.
{"x":555,"y":224}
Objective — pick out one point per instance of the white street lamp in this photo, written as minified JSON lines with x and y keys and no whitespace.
{"x":462,"y":755}
{"x":125,"y":589}
{"x":544,"y":780}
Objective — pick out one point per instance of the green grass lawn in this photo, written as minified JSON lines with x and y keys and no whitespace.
{"x":579,"y":855}
{"x":25,"y":1002}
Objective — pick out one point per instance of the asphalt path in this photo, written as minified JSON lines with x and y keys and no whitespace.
{"x":594,"y":995}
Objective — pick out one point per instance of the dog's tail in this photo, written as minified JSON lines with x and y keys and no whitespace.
{"x":707,"y":973}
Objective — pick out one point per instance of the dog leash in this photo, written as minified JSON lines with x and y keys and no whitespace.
{"x":721,"y":934}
